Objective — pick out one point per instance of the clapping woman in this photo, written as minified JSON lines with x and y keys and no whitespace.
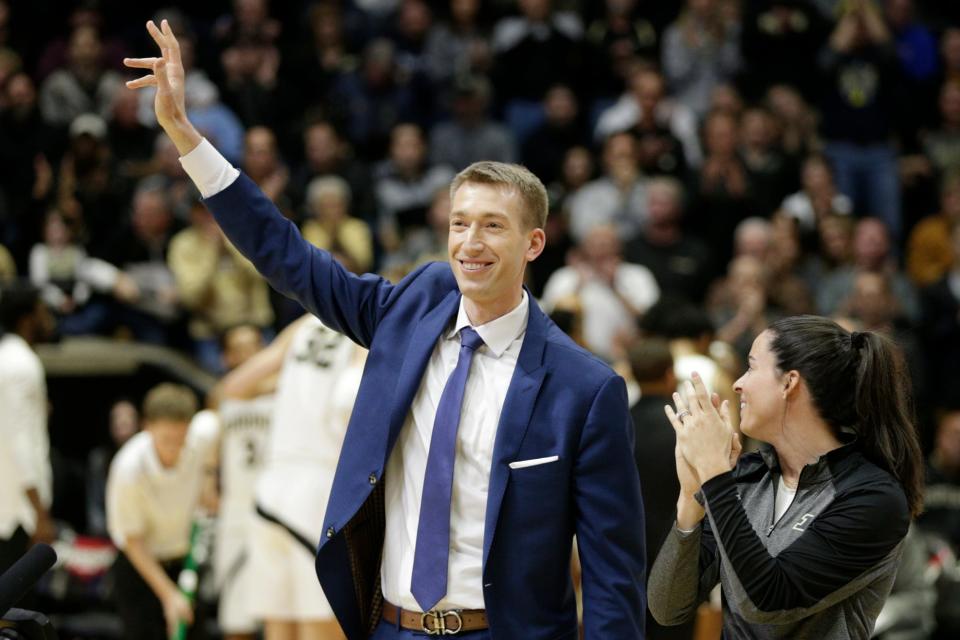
{"x":804,"y":536}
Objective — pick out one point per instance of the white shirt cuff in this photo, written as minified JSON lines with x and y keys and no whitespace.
{"x":208,"y":169}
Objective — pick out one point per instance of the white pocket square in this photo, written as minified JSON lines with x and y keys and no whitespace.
{"x":520,"y":464}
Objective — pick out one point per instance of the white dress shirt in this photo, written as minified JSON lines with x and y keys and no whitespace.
{"x":490,"y":373}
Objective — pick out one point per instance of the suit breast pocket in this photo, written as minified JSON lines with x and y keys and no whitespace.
{"x":549,"y":474}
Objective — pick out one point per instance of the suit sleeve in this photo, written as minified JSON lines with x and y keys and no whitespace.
{"x":609,"y":519}
{"x":350,"y":304}
{"x":848,"y":545}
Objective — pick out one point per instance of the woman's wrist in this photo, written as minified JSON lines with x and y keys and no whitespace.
{"x":689,"y":512}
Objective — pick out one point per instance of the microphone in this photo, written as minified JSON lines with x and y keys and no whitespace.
{"x":24,"y":573}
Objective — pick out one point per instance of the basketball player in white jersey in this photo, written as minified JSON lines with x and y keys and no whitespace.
{"x":244,"y":425}
{"x":316,"y":372}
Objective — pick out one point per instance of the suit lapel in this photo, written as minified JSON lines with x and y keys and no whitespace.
{"x":515,"y":416}
{"x":422,"y":342}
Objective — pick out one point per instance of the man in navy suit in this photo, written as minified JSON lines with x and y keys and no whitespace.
{"x":482,"y":439}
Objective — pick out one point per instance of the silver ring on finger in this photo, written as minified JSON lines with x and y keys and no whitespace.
{"x":683,"y":414}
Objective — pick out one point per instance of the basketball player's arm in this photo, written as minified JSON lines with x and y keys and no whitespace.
{"x":175,"y":604}
{"x":258,"y":375}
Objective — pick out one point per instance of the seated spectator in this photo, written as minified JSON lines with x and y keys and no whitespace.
{"x":754,"y":237}
{"x":770,"y":172}
{"x":739,"y":304}
{"x":646,"y":107}
{"x":216,"y":285}
{"x":830,"y":250}
{"x":789,"y":289}
{"x":700,"y":50}
{"x":67,"y":279}
{"x":404,"y":184}
{"x":250,"y":64}
{"x":85,"y":85}
{"x":371,"y":100}
{"x":929,"y":254}
{"x":330,"y":226}
{"x":618,"y":197}
{"x":458,"y":44}
{"x":871,"y":253}
{"x":471,"y":136}
{"x":720,"y":196}
{"x":325,"y":153}
{"x":613,"y":294}
{"x":130,"y":141}
{"x":817,"y":198}
{"x":623,"y":32}
{"x":428,"y":243}
{"x":941,"y":326}
{"x":918,"y":65}
{"x":562,"y":129}
{"x":941,"y":504}
{"x":532,"y":52}
{"x":942,"y":145}
{"x":795,"y":119}
{"x":680,"y":263}
{"x":262,"y":162}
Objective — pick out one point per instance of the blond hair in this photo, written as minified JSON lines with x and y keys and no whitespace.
{"x":512,"y":176}
{"x":169,"y":401}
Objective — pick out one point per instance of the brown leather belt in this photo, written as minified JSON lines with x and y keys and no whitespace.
{"x":437,"y":623}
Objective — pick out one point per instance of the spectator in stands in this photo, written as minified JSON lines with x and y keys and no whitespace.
{"x":25,"y":455}
{"x":817,"y":198}
{"x":156,"y":482}
{"x":533,"y":52}
{"x":250,"y":82}
{"x":941,"y":325}
{"x":405,"y":184}
{"x":621,"y":34}
{"x":614,"y":294}
{"x":124,"y":423}
{"x":89,"y":193}
{"x":721,"y":190}
{"x":780,"y":39}
{"x":646,"y":107}
{"x":325,"y":153}
{"x":618,"y":197}
{"x":139,"y":248}
{"x":67,"y":279}
{"x":795,"y":119}
{"x":929,"y":252}
{"x":858,"y":110}
{"x":83,"y":86}
{"x":262,"y":162}
{"x":374,"y":98}
{"x":562,"y":129}
{"x":754,"y":237}
{"x":680,"y":263}
{"x":458,"y":45}
{"x":872,"y":253}
{"x":471,"y":136}
{"x":701,"y":50}
{"x":941,"y":506}
{"x":26,"y":177}
{"x":942,"y":145}
{"x":771,"y":174}
{"x":330,"y":225}
{"x":651,"y":364}
{"x":918,"y":65}
{"x":739,"y":304}
{"x":425,"y":244}
{"x":411,"y":27}
{"x":129,"y":140}
{"x":168,"y":175}
{"x":216,"y":285}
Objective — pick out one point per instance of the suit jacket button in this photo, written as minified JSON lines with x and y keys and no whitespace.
{"x":330,"y":532}
{"x":373,"y":478}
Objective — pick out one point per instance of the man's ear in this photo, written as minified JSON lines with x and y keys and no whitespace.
{"x":537,"y":241}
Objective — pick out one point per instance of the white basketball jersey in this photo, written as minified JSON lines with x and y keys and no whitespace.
{"x":245,"y":425}
{"x":313,"y":401}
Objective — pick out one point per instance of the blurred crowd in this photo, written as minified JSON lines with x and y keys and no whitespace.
{"x":712,"y":165}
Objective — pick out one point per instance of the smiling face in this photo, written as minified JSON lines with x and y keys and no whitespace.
{"x":761,"y":390}
{"x":489,"y":245}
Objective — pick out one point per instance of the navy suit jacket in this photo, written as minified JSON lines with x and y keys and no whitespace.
{"x":562,"y":401}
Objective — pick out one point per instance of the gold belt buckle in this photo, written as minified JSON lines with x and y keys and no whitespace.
{"x":440,"y":627}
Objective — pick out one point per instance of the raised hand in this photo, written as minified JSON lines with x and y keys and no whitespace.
{"x":167,"y":75}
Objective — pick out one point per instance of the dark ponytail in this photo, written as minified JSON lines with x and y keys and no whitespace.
{"x":857,"y":380}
